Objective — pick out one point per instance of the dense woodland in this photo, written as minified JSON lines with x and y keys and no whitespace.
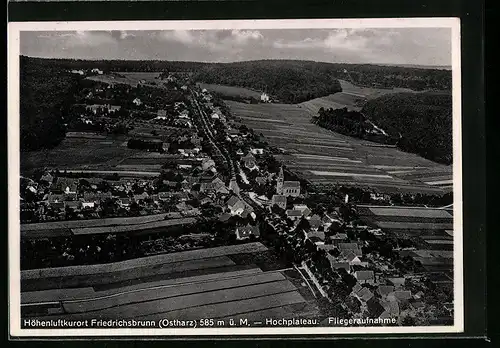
{"x":423,"y":121}
{"x":416,"y":123}
{"x":287,"y":81}
{"x":45,"y":93}
{"x":352,"y":123}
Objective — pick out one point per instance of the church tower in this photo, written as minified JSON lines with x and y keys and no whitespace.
{"x":279,"y":183}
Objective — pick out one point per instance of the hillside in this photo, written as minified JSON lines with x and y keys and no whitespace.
{"x":424,"y":122}
{"x":288,"y":81}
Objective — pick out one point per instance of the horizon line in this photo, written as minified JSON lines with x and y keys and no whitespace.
{"x":446,"y":67}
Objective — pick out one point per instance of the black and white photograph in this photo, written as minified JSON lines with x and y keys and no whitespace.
{"x":235,"y":177}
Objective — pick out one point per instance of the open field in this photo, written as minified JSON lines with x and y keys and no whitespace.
{"x":155,"y":225}
{"x":418,"y":220}
{"x":92,"y":223}
{"x":324,"y":157}
{"x":230,"y":91}
{"x":145,"y":261}
{"x":352,"y":97}
{"x":83,"y":153}
{"x":157,"y":289}
{"x":129,"y":78}
{"x":91,"y":153}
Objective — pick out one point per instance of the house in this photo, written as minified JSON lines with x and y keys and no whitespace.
{"x":374,"y":307}
{"x":339,"y":265}
{"x":249,"y":161}
{"x":137,"y":102}
{"x":164,"y":196}
{"x":75,"y":205}
{"x":397,"y":282}
{"x":300,"y":207}
{"x":257,"y":151}
{"x":78,"y":72}
{"x":338,"y":238}
{"x":97,"y":71}
{"x":55,"y":198}
{"x":244,"y":232}
{"x":87,"y":204}
{"x":384,"y":290}
{"x":362,"y":293}
{"x":327,"y":248}
{"x":400,"y":296}
{"x":235,"y":205}
{"x":57,"y":206}
{"x":207,"y":163}
{"x":233,"y":186}
{"x":391,"y":309}
{"x":65,"y":185}
{"x":161,"y":114}
{"x":348,"y":248}
{"x":124,"y":202}
{"x":352,"y":258}
{"x":279,"y":200}
{"x":264,"y":98}
{"x":214,"y":116}
{"x":47,"y":178}
{"x":365,"y":277}
{"x":315,"y":222}
{"x":216,"y":185}
{"x":293,"y":214}
{"x":141,"y":197}
{"x":316,"y":237}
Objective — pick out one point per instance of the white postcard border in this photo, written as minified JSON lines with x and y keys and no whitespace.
{"x":13,"y":43}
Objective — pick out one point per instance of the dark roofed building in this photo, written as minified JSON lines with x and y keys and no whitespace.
{"x":365,"y":277}
{"x":385,"y":290}
{"x":279,"y":200}
{"x":293,"y":214}
{"x":243,"y":232}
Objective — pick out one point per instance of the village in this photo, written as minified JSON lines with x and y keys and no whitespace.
{"x":213,"y":168}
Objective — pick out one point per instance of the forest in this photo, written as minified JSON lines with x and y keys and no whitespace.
{"x":423,"y":121}
{"x":287,"y":81}
{"x":418,"y":123}
{"x":352,"y":123}
{"x":45,"y":93}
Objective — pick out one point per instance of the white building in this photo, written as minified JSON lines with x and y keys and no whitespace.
{"x":264,"y":98}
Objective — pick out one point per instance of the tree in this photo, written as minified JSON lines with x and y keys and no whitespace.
{"x":303,"y":225}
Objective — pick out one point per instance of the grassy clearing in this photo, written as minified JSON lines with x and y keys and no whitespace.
{"x":128,"y":78}
{"x":153,"y":225}
{"x":265,"y":260}
{"x":142,"y":262}
{"x":78,"y":153}
{"x":91,"y":223}
{"x":236,"y":307}
{"x":75,"y":280}
{"x":127,"y":297}
{"x":405,"y":211}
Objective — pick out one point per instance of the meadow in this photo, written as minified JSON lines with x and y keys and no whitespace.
{"x":324,"y":157}
{"x":128,"y":78}
{"x":163,"y":285}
